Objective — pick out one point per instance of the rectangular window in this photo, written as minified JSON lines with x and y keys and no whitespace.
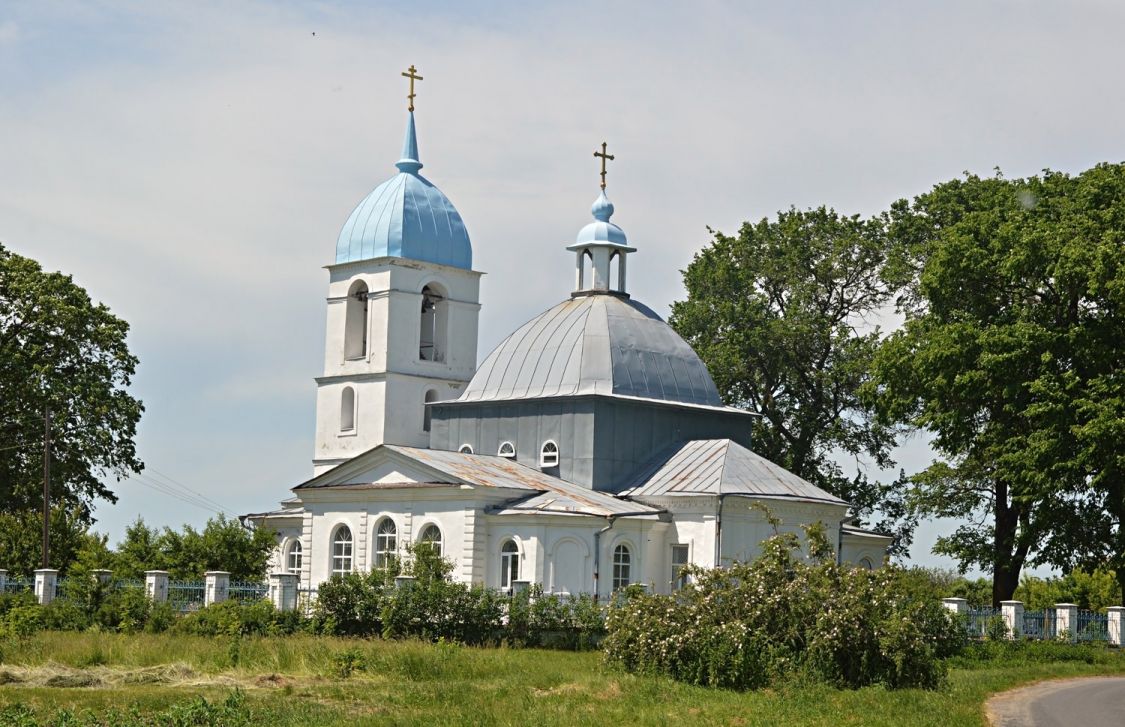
{"x":679,"y":560}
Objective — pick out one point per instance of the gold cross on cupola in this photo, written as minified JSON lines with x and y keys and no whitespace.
{"x":604,"y":157}
{"x":412,"y":74}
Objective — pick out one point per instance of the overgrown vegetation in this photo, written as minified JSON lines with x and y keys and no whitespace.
{"x":754,"y":624}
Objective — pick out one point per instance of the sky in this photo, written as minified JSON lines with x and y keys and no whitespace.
{"x":191,"y":164}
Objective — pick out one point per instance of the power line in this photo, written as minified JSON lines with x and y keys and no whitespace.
{"x":165,"y":490}
{"x":182,"y":486}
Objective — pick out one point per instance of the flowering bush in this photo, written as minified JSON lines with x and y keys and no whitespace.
{"x":744,"y":626}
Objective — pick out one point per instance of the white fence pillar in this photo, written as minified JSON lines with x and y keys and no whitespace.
{"x":216,"y":586}
{"x":1114,"y":625}
{"x":46,"y":581}
{"x":958,"y":606}
{"x":1012,"y":611}
{"x":102,"y":576}
{"x":3,"y":580}
{"x":283,"y":591}
{"x":1066,"y":621}
{"x":156,"y":585}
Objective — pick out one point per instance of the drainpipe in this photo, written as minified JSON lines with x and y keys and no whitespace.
{"x":840,"y":538}
{"x":598,"y":554}
{"x":719,"y":532}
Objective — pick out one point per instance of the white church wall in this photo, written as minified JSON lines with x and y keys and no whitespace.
{"x":336,"y":444}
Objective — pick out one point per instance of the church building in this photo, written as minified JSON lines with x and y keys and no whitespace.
{"x":589,"y":451}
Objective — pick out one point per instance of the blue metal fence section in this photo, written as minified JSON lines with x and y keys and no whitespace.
{"x":1040,"y":624}
{"x":186,"y":595}
{"x":978,"y":619}
{"x":1092,"y":626}
{"x":247,"y":592}
{"x":19,"y":585}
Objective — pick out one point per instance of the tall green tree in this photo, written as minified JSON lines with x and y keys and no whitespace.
{"x":1011,"y":355}
{"x":60,"y":350}
{"x":784,"y":314}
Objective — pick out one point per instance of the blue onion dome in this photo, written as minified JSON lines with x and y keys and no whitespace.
{"x":601,"y":230}
{"x":406,"y":217}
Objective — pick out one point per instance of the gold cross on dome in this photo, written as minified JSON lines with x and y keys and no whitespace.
{"x":604,"y":157}
{"x":412,"y":74}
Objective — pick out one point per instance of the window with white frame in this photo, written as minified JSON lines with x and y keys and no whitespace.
{"x":386,"y":543}
{"x":509,"y":564}
{"x":342,"y":550}
{"x":622,"y":566}
{"x":507,"y":449}
{"x":679,"y":562}
{"x":293,"y":557}
{"x":549,"y":454}
{"x":466,"y":449}
{"x":431,"y":536}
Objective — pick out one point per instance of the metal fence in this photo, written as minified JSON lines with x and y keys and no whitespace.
{"x":19,"y":585}
{"x":247,"y":592}
{"x":186,"y":595}
{"x":1092,"y":626}
{"x":1039,"y":625}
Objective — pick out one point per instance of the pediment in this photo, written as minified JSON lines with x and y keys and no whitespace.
{"x":380,"y":466}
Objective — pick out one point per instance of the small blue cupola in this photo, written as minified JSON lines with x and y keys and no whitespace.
{"x":601,"y":242}
{"x":406,"y":217}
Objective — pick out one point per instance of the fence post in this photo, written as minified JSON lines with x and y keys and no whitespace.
{"x":283,"y":591}
{"x":216,"y":585}
{"x":102,"y":576}
{"x":1114,"y":624}
{"x":958,"y":606}
{"x":3,"y":580}
{"x":403,"y":581}
{"x":156,"y":585}
{"x":46,"y":581}
{"x":1012,"y":611}
{"x":1066,"y":619}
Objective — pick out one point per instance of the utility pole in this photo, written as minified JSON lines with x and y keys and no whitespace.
{"x":46,"y":486}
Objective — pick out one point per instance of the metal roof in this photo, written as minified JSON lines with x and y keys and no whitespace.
{"x":721,"y":467}
{"x":594,"y":344}
{"x":546,"y":494}
{"x":407,"y":217}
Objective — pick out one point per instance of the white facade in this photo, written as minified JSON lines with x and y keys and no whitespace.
{"x":384,"y":358}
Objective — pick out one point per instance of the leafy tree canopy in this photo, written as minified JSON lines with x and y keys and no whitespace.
{"x":187,"y":554}
{"x":58,"y":348}
{"x":1011,"y":355}
{"x":783,"y":314}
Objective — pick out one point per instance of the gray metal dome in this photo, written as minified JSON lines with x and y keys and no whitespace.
{"x":594,"y":344}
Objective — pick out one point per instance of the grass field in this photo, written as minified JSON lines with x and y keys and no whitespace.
{"x":301,"y":681}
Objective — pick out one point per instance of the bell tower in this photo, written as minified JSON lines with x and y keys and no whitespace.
{"x":403,"y":303}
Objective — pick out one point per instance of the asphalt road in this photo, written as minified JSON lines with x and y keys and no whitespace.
{"x":1085,"y":702}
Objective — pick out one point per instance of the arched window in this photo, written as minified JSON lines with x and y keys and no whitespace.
{"x":549,"y":454}
{"x":355,"y":322}
{"x":466,"y":449}
{"x":433,"y":322}
{"x":509,"y":564}
{"x":622,"y":566}
{"x":431,"y":536}
{"x":347,"y":409}
{"x":342,"y":550}
{"x":866,"y":563}
{"x":386,"y":543}
{"x":507,"y":449}
{"x":293,"y":557}
{"x":431,"y":395}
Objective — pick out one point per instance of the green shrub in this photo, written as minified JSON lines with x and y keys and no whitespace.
{"x":745,"y":626}
{"x":231,"y":618}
